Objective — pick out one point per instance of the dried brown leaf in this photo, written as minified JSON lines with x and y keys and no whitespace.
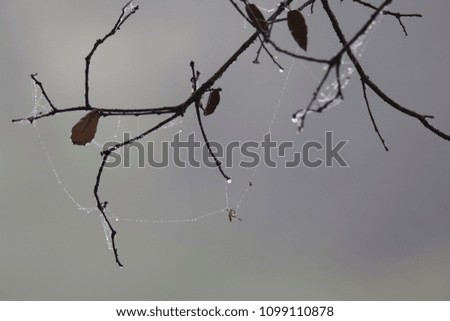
{"x":213,"y":101}
{"x":84,"y":130}
{"x":257,"y":18}
{"x":299,"y":29}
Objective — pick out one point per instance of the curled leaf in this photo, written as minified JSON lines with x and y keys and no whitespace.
{"x":213,"y":101}
{"x":299,"y":29}
{"x":257,"y":18}
{"x":84,"y":130}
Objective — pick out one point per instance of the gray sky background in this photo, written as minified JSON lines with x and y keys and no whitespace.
{"x":377,"y":230}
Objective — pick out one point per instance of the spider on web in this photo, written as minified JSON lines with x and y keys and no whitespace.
{"x":232,"y":215}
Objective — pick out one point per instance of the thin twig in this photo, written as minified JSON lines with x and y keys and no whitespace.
{"x":305,"y":111}
{"x":235,"y":5}
{"x":364,"y":28}
{"x":371,"y":116}
{"x":294,"y":55}
{"x":306,"y":4}
{"x":200,"y":123}
{"x":105,"y":154}
{"x":142,"y":135}
{"x":101,"y":207}
{"x":122,"y":18}
{"x":205,"y":138}
{"x":105,"y":112}
{"x":396,"y":15}
{"x":37,"y":82}
{"x":270,"y":54}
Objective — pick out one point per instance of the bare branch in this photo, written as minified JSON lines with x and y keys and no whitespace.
{"x":138,"y":137}
{"x":304,"y":112}
{"x":101,"y":207}
{"x":371,"y":116}
{"x":396,"y":15}
{"x":294,"y":55}
{"x":199,"y":91}
{"x":205,"y":138}
{"x":122,"y":18}
{"x":335,"y":62}
{"x":198,"y":106}
{"x":364,"y":28}
{"x":270,"y":54}
{"x":37,"y":82}
{"x":235,"y":5}
{"x":105,"y":112}
{"x":365,"y":78}
{"x":105,"y":154}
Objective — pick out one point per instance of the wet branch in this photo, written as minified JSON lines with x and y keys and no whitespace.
{"x":176,"y":111}
{"x":173,"y":112}
{"x":37,"y":82}
{"x":334,"y":63}
{"x":365,"y":78}
{"x":198,"y":106}
{"x":396,"y":15}
{"x":122,"y":18}
{"x":105,"y":154}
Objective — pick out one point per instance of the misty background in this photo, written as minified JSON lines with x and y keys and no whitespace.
{"x":377,"y":230}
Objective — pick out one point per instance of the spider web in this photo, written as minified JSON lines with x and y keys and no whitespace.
{"x":40,"y":105}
